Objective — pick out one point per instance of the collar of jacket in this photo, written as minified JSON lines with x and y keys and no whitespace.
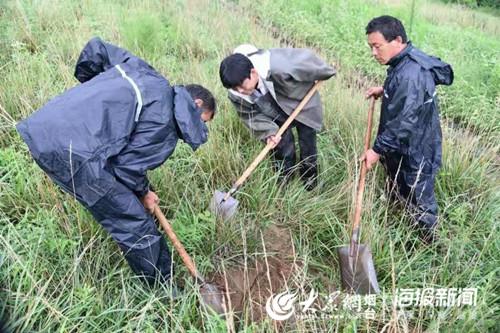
{"x":398,"y":57}
{"x":191,"y":128}
{"x":261,"y":61}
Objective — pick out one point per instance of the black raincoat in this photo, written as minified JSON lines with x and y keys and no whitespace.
{"x":98,"y":140}
{"x":409,"y":134}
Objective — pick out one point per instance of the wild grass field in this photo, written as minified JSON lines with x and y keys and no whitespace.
{"x":59,"y":272}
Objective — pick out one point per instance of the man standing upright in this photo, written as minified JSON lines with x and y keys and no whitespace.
{"x":265,"y":87}
{"x":409,"y":134}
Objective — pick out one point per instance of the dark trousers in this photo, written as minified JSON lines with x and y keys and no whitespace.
{"x":285,"y":156}
{"x":124,"y":217}
{"x":415,"y":187}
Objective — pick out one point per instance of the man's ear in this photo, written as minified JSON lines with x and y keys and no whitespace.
{"x":198,"y":102}
{"x":254,"y":72}
{"x":399,"y":39}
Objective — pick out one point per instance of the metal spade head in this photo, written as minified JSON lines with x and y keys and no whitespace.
{"x":212,"y":298}
{"x":358,"y":271}
{"x":223,"y":208}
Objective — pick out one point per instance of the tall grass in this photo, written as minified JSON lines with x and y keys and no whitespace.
{"x":468,"y":40}
{"x":59,"y":272}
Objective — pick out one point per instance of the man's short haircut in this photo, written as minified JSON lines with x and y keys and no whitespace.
{"x":390,"y":27}
{"x":199,"y":92}
{"x":234,"y":69}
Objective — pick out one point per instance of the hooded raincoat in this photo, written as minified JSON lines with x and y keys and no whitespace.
{"x":98,"y":140}
{"x":409,"y":134}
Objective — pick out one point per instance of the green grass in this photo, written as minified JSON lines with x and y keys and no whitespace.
{"x":59,"y":272}
{"x":468,"y":40}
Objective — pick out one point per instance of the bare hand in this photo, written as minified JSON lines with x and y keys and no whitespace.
{"x":150,"y":200}
{"x":273,"y":140}
{"x":371,"y":157}
{"x":375,"y":92}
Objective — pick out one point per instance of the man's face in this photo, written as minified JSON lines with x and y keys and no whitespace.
{"x":382,"y":50}
{"x":206,"y":114}
{"x":248,"y":85}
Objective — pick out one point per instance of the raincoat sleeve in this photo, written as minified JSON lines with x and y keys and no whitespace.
{"x":98,"y":56}
{"x":150,"y":145}
{"x":260,"y":125}
{"x":409,"y":100}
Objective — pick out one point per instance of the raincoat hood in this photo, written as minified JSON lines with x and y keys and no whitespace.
{"x":442,"y":72}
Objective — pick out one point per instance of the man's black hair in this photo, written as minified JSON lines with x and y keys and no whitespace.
{"x":199,"y":92}
{"x":390,"y":27}
{"x":234,"y":69}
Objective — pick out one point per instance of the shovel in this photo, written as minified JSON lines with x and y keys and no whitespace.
{"x":356,"y":262}
{"x":210,"y":294}
{"x":223,"y":204}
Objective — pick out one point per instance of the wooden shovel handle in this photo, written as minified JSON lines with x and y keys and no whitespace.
{"x":361,"y":184}
{"x":177,"y":244}
{"x":282,"y":130}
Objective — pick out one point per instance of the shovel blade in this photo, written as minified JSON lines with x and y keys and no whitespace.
{"x":225,"y":209}
{"x":358,"y":272}
{"x":212,"y":298}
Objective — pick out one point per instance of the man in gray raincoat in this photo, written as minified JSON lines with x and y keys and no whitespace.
{"x":409,"y":134}
{"x":266,"y":86}
{"x":98,"y":140}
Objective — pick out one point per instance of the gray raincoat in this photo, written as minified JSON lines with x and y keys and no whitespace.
{"x":288,"y":74}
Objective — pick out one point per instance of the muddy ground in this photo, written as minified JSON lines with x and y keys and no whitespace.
{"x":248,"y":287}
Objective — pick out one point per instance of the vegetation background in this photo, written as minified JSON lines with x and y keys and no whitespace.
{"x":59,"y":272}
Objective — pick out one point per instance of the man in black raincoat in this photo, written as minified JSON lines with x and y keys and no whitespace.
{"x":409,"y":134}
{"x":98,"y":140}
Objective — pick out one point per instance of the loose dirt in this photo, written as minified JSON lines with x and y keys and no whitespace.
{"x":248,"y":287}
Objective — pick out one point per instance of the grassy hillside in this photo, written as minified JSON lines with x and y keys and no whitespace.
{"x":59,"y":272}
{"x":468,"y":40}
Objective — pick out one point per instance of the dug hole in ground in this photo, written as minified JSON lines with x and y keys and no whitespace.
{"x":248,"y":287}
